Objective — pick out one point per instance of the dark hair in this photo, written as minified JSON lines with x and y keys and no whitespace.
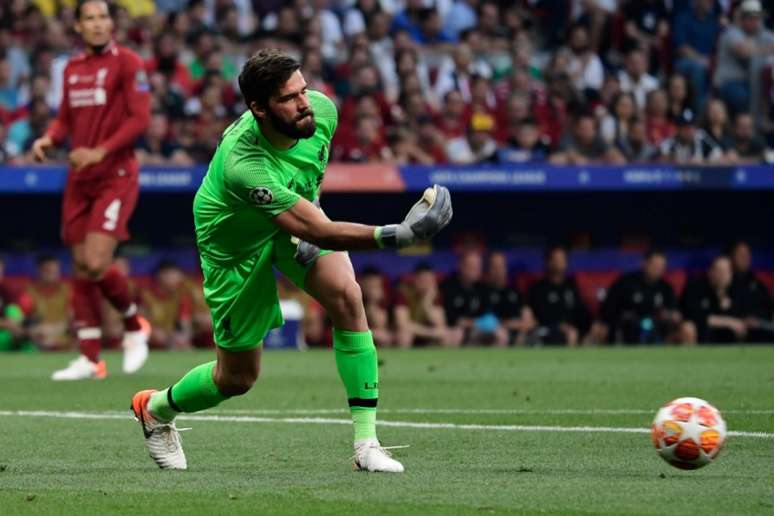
{"x":165,"y":264}
{"x":423,"y":267}
{"x":370,"y":270}
{"x":264,"y":74}
{"x":45,"y":258}
{"x":79,"y":5}
{"x":551,"y":250}
{"x":650,"y":253}
{"x":732,"y":247}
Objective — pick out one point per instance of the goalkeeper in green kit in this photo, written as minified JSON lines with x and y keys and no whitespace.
{"x":257,"y":209}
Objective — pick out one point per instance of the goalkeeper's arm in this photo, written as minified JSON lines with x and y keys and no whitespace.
{"x":426,"y":218}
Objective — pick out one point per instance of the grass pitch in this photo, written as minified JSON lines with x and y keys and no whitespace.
{"x":502,"y":436}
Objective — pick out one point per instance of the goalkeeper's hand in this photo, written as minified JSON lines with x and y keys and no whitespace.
{"x":427,"y":217}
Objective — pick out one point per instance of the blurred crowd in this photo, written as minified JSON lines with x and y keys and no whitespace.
{"x":433,"y":81}
{"x":484,"y":305}
{"x":479,"y":303}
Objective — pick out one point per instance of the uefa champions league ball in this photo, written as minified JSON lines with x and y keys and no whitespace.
{"x":688,"y":433}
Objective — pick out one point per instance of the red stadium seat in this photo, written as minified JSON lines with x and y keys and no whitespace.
{"x":767,"y":277}
{"x":593,"y":287}
{"x":676,"y":279}
{"x":524,"y":280}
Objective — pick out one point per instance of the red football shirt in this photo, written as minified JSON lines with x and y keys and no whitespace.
{"x":105,"y":103}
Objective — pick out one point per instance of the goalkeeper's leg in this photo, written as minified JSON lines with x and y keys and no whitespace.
{"x":331,"y":281}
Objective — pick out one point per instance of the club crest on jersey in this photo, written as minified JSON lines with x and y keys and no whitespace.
{"x":261,"y":195}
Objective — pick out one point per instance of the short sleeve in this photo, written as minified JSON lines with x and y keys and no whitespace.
{"x":251,"y":180}
{"x":325,"y":113}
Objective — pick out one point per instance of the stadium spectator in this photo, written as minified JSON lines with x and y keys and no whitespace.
{"x":694,"y":33}
{"x":377,"y":305}
{"x":456,"y":71}
{"x":359,"y":17}
{"x":742,"y":51}
{"x":167,"y":307}
{"x":585,"y":146}
{"x":635,"y":147}
{"x":460,"y":17}
{"x":635,"y":79}
{"x":561,"y":315}
{"x":680,"y":95}
{"x":17,"y":57}
{"x":157,"y":148}
{"x":641,"y":307}
{"x":466,"y":304}
{"x":658,"y":124}
{"x":712,"y":313}
{"x":477,"y":145}
{"x":585,"y":66}
{"x":746,"y":146}
{"x":690,"y":145}
{"x":418,"y":312}
{"x":506,"y":302}
{"x":752,"y":294}
{"x":716,"y":124}
{"x":526,"y":147}
{"x":25,"y":130}
{"x":646,"y":24}
{"x":10,"y":100}
{"x":452,"y":119}
{"x":50,"y":319}
{"x":615,"y":126}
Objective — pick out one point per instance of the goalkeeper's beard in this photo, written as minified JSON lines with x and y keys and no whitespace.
{"x":293,"y":129}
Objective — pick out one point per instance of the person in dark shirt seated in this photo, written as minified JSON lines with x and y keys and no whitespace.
{"x":562,"y":318}
{"x":466,"y":303}
{"x":712,"y":314}
{"x":506,"y":302}
{"x":752,"y":294}
{"x":642,"y":307}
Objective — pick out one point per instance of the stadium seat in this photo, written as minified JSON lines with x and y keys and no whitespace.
{"x":593,"y":287}
{"x":676,"y":279}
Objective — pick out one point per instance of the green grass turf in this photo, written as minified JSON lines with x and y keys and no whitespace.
{"x":77,"y":466}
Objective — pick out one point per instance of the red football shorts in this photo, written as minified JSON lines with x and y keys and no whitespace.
{"x":101,"y":205}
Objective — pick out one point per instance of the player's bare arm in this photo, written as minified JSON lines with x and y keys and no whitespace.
{"x":426,"y":218}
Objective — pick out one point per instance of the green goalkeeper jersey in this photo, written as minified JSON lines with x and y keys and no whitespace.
{"x":249,"y":182}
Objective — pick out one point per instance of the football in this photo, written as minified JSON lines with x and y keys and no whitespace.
{"x":688,"y":433}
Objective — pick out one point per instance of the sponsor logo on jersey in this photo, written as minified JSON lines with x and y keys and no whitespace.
{"x":261,"y":196}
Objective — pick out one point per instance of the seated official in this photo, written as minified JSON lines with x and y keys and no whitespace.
{"x":506,"y":302}
{"x":642,"y":307}
{"x":562,"y":317}
{"x":712,"y":313}
{"x":466,"y":304}
{"x":752,"y":294}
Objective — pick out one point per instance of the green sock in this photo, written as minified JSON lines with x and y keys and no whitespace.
{"x":356,"y":362}
{"x":365,"y":423}
{"x":194,"y":392}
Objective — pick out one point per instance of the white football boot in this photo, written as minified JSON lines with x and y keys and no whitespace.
{"x":162,"y":439}
{"x":81,"y":369}
{"x":372,"y":456}
{"x":135,"y":344}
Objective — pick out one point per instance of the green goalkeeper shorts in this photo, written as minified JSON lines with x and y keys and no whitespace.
{"x":243,"y":296}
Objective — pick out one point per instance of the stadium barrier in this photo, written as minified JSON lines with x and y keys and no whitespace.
{"x":342,"y":177}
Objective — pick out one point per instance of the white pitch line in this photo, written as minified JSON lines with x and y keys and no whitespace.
{"x":547,"y":412}
{"x":328,"y":421}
